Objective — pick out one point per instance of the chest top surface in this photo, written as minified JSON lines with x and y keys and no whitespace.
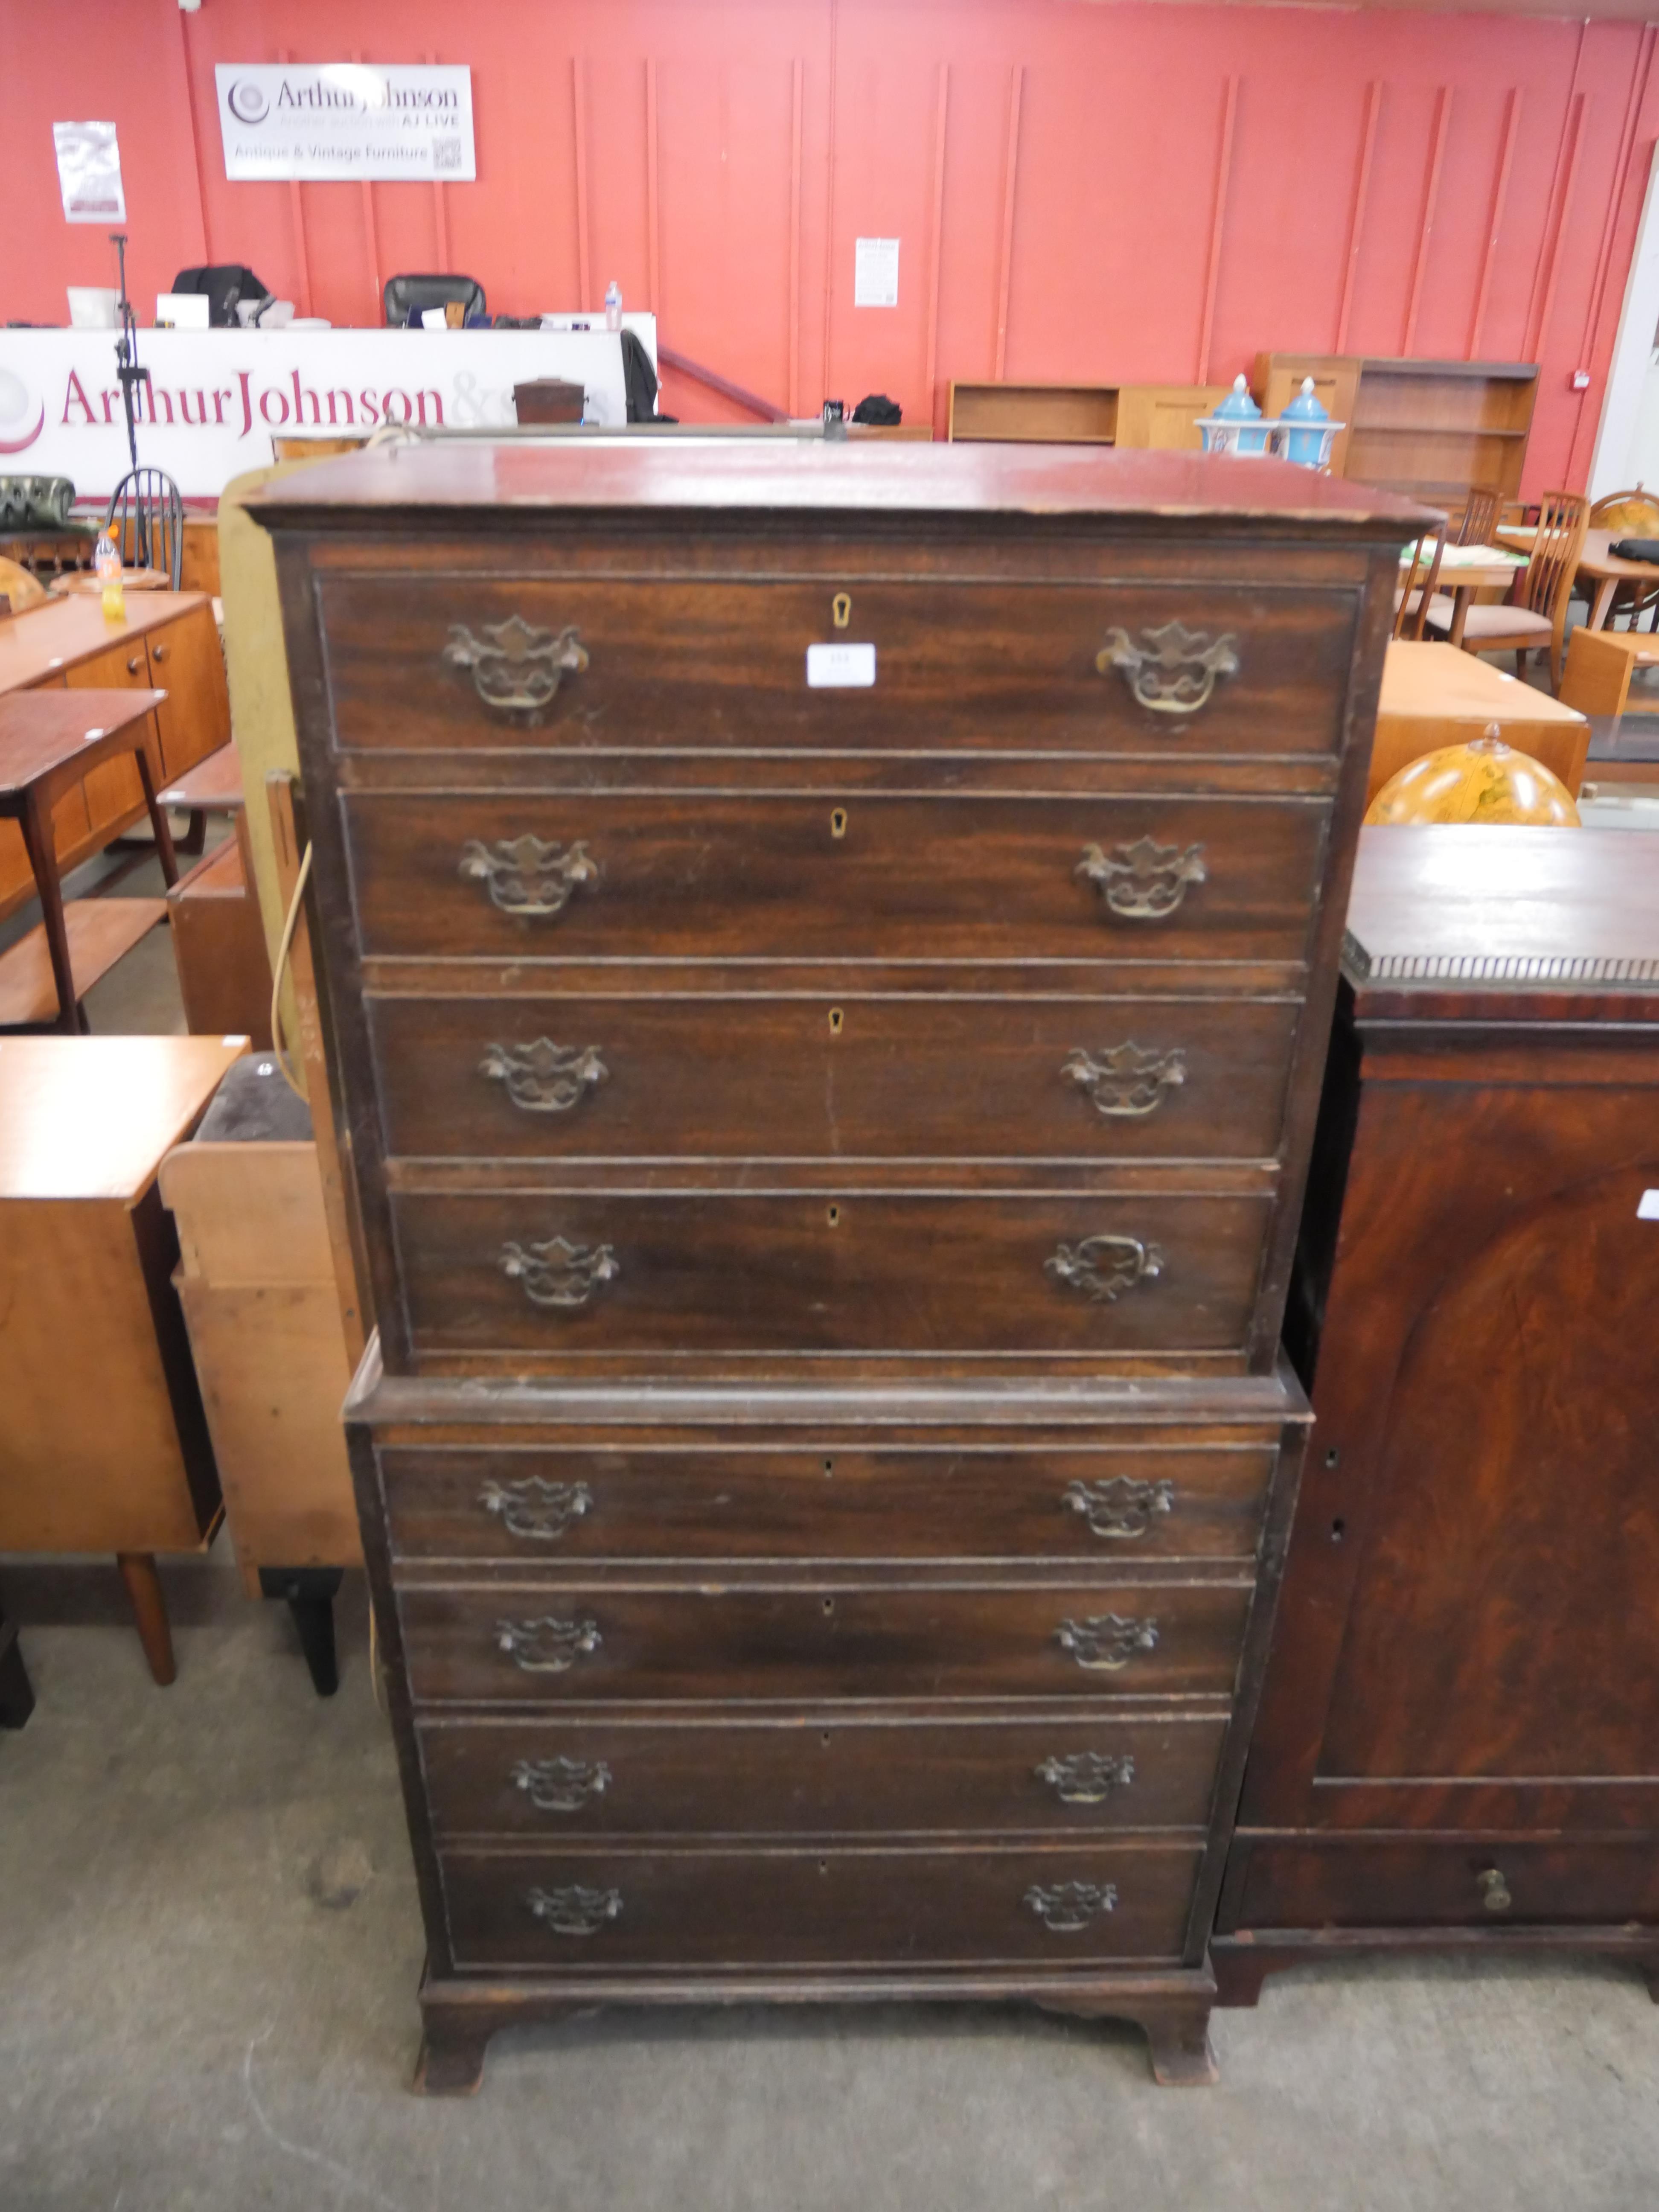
{"x":737,"y":483}
{"x":1505,"y":925}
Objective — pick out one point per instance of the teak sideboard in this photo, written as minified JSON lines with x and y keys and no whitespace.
{"x":830,"y":954}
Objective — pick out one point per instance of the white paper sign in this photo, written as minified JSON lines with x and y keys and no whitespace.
{"x":89,"y":173}
{"x":1648,"y":1206}
{"x":840,"y":668}
{"x":346,"y":120}
{"x":875,"y":272}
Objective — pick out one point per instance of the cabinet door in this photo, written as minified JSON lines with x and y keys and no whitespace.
{"x":186,"y":663}
{"x":113,"y":793}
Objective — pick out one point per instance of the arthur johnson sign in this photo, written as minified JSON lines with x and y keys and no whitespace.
{"x":346,"y":120}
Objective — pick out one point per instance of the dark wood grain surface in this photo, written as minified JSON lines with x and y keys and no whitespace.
{"x":738,"y":1503}
{"x":714,"y":663}
{"x":841,"y":1907}
{"x":869,"y":1272}
{"x":821,"y":1773}
{"x":828,"y":1638}
{"x":831,"y":1076}
{"x":702,"y":876}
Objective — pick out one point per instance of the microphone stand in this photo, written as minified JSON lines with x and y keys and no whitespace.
{"x":129,"y":374}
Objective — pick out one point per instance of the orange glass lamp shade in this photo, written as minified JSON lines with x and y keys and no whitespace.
{"x":1485,"y":780}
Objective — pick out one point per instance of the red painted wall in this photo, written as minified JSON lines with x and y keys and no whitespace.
{"x":1082,"y":192}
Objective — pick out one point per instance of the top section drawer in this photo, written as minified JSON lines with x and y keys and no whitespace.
{"x":421,"y":662}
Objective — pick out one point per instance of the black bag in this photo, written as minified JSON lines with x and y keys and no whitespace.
{"x":877,"y":407}
{"x":639,"y":380}
{"x":1635,"y":548}
{"x":225,"y":283}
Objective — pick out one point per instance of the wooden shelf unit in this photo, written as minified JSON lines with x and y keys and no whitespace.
{"x":1162,"y":415}
{"x":1434,"y":429}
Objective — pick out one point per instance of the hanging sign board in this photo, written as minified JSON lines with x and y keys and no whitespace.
{"x":89,"y":173}
{"x":343,"y":119}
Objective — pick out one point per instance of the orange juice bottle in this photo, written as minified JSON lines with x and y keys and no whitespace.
{"x":106,"y":563}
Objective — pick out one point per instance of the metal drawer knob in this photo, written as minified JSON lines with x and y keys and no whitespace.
{"x":548,"y":1646}
{"x":544,"y":1078}
{"x":1127,"y":1081}
{"x":561,"y":1785}
{"x":1066,"y":1908}
{"x":577,"y":1910}
{"x":1494,"y":1891}
{"x":1087,"y":1778}
{"x":1106,"y":1642}
{"x":526,"y":876}
{"x":515,"y":667}
{"x":540,"y":1511}
{"x":1121,"y":1508}
{"x":558,"y":1273}
{"x":1104,"y":1267}
{"x":1145,"y":881}
{"x":1172,"y":670}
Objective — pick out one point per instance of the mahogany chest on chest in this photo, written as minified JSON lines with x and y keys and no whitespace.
{"x":830,"y":952}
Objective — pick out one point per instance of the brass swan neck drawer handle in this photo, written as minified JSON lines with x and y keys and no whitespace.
{"x":1170,"y":670}
{"x":577,"y":1910}
{"x":1106,"y":1642}
{"x":1104,"y":1267}
{"x":547,"y":1646}
{"x":1087,"y":1778}
{"x":1144,"y":881}
{"x":1494,"y":1890}
{"x":1128,"y":1081}
{"x":1123,"y":1507}
{"x":558,"y":1274}
{"x":561,"y":1785}
{"x":544,"y":1078}
{"x":515,"y":667}
{"x":538,"y":1510}
{"x":526,"y":876}
{"x":1066,"y":1908}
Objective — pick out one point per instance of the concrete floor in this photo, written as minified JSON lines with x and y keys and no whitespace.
{"x":209,"y":1948}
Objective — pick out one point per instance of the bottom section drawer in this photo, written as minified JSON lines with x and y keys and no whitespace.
{"x":818,"y":1774}
{"x":974,"y":1906}
{"x":1414,"y":1883}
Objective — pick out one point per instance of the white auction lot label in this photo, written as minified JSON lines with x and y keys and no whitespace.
{"x":836,"y":667}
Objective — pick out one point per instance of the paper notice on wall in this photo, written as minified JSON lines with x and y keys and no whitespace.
{"x":875,"y":272}
{"x":89,"y":173}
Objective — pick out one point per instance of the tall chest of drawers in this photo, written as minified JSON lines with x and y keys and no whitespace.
{"x":829,"y":954}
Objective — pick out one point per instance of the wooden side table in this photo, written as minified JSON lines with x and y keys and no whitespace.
{"x":103,"y":1445}
{"x":1435,"y":694}
{"x":50,"y":741}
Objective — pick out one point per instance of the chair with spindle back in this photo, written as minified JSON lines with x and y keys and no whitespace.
{"x":148,"y":518}
{"x":1535,"y":613}
{"x":1422,"y":573}
{"x":1479,"y":518}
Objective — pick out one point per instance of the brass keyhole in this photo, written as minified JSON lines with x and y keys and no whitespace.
{"x":832,"y":1216}
{"x":837,"y":1018}
{"x":829,"y":1467}
{"x":838,"y":822}
{"x":1494,"y":1891}
{"x":840,"y":608}
{"x":829,"y":1604}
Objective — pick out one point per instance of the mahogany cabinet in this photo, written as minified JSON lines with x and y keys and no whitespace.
{"x":1457,"y":1738}
{"x":830,"y":956}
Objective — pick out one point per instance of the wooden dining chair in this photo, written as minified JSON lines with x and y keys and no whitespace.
{"x":1479,"y":518}
{"x":148,"y":517}
{"x":1422,"y":573}
{"x":1535,"y":613}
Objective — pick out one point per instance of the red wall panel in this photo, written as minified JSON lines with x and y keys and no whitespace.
{"x":786,"y":129}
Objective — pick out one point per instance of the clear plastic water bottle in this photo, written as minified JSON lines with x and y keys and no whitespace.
{"x":107,"y":565}
{"x":613,"y":306}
